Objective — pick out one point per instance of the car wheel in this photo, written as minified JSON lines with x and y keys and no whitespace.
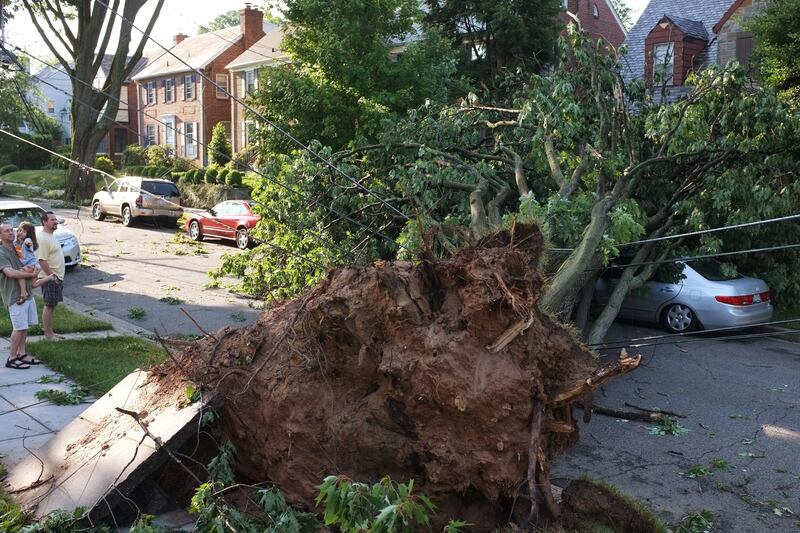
{"x":242,"y":239}
{"x":678,"y":318}
{"x":127,"y":217}
{"x":194,"y":231}
{"x":97,"y":211}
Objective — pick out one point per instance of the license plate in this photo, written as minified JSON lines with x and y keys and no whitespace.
{"x":756,"y":298}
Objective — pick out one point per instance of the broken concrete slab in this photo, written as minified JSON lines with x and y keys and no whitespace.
{"x":103,"y":454}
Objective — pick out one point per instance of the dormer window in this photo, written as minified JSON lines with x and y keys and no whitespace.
{"x":663,"y":63}
{"x":671,"y":48}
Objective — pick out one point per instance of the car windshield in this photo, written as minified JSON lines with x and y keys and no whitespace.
{"x":160,"y":188}
{"x":15,"y":216}
{"x":712,"y":270}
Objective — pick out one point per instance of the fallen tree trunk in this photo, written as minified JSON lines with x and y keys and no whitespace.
{"x":445,"y":372}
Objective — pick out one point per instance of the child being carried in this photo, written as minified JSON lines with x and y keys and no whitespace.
{"x":26,"y":247}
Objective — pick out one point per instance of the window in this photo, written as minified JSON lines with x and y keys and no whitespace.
{"x":222,"y":85}
{"x":160,"y":188}
{"x":663,"y":63}
{"x":150,"y":98}
{"x":188,"y":87}
{"x":248,"y":132}
{"x":236,"y":208}
{"x":169,"y":131}
{"x":169,"y":90}
{"x":595,"y":11}
{"x":51,"y":107}
{"x":251,"y":81}
{"x":744,"y":49}
{"x":190,"y":131}
{"x":151,"y":135}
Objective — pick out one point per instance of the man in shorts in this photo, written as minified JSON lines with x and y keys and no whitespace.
{"x":51,"y":259}
{"x":23,"y":315}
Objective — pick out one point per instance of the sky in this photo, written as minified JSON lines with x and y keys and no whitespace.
{"x":177,"y":16}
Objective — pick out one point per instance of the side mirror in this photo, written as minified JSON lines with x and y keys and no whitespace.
{"x":211,"y":210}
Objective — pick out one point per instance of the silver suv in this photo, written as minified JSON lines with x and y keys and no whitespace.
{"x":132,"y":198}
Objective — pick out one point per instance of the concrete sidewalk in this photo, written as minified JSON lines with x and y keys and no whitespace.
{"x":26,"y":423}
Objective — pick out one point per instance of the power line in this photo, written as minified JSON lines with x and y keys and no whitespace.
{"x":142,"y":191}
{"x":696,"y":257}
{"x":277,"y":128}
{"x":621,"y":343}
{"x":719,"y":339}
{"x":247,"y":166}
{"x":693,"y":233}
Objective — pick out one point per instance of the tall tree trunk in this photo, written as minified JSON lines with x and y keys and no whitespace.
{"x":562,"y":292}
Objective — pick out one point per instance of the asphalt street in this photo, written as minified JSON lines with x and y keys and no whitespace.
{"x":740,"y":458}
{"x":140,"y":274}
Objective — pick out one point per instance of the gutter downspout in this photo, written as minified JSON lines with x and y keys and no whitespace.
{"x":202,"y":128}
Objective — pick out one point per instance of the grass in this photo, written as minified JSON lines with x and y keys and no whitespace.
{"x":98,"y":364}
{"x":64,"y":321}
{"x":787,"y":314}
{"x":45,"y":178}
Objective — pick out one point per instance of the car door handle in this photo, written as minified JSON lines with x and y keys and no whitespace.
{"x":667,"y":289}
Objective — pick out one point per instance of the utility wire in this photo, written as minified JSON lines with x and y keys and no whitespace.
{"x":146,"y":193}
{"x":249,"y":108}
{"x":696,"y":257}
{"x":267,"y":208}
{"x":247,"y":166}
{"x":693,"y":233}
{"x":621,"y":343}
{"x":717,"y":339}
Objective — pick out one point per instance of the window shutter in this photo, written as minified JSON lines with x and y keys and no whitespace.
{"x":744,"y":48}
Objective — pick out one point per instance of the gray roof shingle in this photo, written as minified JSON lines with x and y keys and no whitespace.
{"x":690,"y":28}
{"x":697,"y":12}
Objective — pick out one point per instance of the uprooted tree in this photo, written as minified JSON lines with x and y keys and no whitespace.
{"x":445,"y":372}
{"x":593,"y":159}
{"x":84,"y":29}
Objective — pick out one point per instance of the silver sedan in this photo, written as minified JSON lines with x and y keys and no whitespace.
{"x":704,"y":297}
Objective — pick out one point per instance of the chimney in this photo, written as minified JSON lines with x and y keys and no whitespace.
{"x":179,"y":38}
{"x":251,"y":22}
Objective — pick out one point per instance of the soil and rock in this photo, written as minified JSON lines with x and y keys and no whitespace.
{"x":444,"y":372}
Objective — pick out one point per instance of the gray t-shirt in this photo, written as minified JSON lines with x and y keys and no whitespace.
{"x":9,"y":287}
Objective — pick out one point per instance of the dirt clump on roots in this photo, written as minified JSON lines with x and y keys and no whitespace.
{"x":445,"y":372}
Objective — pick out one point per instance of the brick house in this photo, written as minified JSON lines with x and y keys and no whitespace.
{"x":244,"y":73}
{"x":598,"y":18}
{"x":672,"y":38}
{"x":179,"y":107}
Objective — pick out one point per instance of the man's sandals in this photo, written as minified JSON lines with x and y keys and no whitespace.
{"x":21,"y":300}
{"x":28,"y":359}
{"x":17,"y":364}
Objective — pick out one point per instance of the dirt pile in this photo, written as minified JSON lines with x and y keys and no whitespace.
{"x":443,"y":372}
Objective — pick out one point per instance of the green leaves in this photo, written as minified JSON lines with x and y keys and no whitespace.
{"x":383,"y":507}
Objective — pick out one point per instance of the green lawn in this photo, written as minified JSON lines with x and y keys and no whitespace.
{"x":46,"y":178}
{"x":98,"y":364}
{"x":787,"y":314}
{"x":64,"y":321}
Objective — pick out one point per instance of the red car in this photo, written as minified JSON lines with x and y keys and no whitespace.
{"x":232,"y":219}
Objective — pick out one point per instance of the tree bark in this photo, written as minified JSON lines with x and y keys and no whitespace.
{"x":560,"y":295}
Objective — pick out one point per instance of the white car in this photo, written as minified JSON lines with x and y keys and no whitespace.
{"x":15,"y":211}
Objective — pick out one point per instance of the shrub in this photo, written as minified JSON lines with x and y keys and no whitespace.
{"x":149,"y":171}
{"x":202,"y":195}
{"x":199,"y":175}
{"x":219,"y":149}
{"x":135,"y":170}
{"x":211,"y":175}
{"x":176,"y":176}
{"x":182,"y":164}
{"x":7,"y":169}
{"x":223,"y":173}
{"x":134,"y":155}
{"x":234,"y":178}
{"x":60,"y":162}
{"x":184,"y":180}
{"x":160,"y":155}
{"x":244,"y":159}
{"x":104,"y":164}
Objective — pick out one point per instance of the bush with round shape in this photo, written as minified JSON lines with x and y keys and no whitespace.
{"x":211,"y":175}
{"x":8,"y":169}
{"x":134,"y":155}
{"x":199,"y":175}
{"x":222,"y":175}
{"x":234,"y":178}
{"x":104,"y":164}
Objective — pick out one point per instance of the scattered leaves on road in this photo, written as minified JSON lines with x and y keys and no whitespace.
{"x":136,"y":313}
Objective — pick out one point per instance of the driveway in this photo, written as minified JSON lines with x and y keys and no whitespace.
{"x":130,"y":270}
{"x":740,"y":456}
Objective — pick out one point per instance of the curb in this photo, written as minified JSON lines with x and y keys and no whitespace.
{"x":122,"y":326}
{"x":788,"y":334}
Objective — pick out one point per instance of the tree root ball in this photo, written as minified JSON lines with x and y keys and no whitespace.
{"x":428,"y":371}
